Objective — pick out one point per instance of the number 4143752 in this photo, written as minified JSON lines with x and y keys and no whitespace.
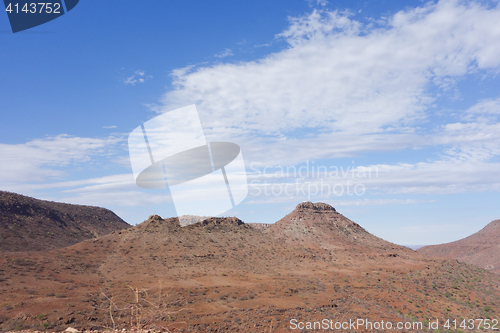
{"x":34,"y":8}
{"x":472,"y":324}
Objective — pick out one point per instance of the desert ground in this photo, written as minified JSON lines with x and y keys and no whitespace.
{"x":223,"y":275}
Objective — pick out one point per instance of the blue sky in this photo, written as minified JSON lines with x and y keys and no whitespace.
{"x":408,"y":89}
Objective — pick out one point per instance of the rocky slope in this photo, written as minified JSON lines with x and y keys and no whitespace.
{"x":28,"y":224}
{"x":481,"y":249}
{"x":223,"y":275}
{"x":320,"y":225}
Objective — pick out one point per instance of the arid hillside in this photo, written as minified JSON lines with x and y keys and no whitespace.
{"x":321,"y":226}
{"x":222,"y":275}
{"x":28,"y":224}
{"x":481,"y":249}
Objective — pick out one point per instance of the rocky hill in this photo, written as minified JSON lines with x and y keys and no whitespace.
{"x":481,"y":249}
{"x":320,"y":225}
{"x":28,"y":224}
{"x":222,"y":275}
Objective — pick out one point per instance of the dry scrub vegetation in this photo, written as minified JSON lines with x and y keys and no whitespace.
{"x":224,"y":276}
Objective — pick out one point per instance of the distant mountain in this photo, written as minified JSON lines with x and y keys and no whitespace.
{"x":28,"y":224}
{"x":414,"y":247}
{"x":320,"y":225}
{"x":481,"y":249}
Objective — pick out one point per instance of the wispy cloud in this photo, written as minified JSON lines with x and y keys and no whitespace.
{"x":428,"y":178}
{"x":264,"y":45}
{"x":226,"y":53}
{"x":44,"y":159}
{"x":139,"y":76}
{"x":316,"y":3}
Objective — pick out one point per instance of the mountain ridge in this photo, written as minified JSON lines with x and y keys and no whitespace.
{"x":480,"y":249}
{"x":223,"y":275}
{"x":29,"y":224}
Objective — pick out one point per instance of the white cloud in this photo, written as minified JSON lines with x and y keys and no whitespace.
{"x":486,"y":111}
{"x":310,"y":182}
{"x":440,"y":177}
{"x":319,"y":26}
{"x":107,"y":198}
{"x":139,"y":76}
{"x":112,"y":126}
{"x":42,"y":159}
{"x":340,"y":76}
{"x":227,"y":53}
{"x":315,"y":3}
{"x":477,"y":137}
{"x":488,"y":106}
{"x":41,"y":166}
{"x":112,"y":194}
{"x":123,"y":181}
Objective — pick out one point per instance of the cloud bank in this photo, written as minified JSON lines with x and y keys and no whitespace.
{"x":339,"y":80}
